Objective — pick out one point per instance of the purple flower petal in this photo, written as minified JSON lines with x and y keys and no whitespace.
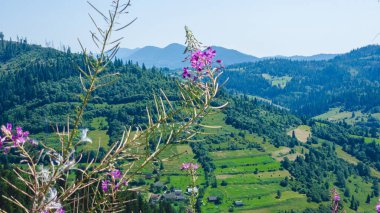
{"x":61,"y":210}
{"x":116,"y":174}
{"x":105,"y":184}
{"x":194,"y":166}
{"x":185,"y":166}
{"x":9,"y":126}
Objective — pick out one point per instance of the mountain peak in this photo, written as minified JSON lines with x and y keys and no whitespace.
{"x":172,"y":56}
{"x":174,"y":45}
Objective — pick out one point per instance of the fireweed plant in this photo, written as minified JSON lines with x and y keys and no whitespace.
{"x":335,"y":198}
{"x":191,"y":170}
{"x":98,"y":186}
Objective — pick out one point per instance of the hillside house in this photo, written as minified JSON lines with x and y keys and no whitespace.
{"x":191,"y":190}
{"x":212,"y":199}
{"x":238,"y":203}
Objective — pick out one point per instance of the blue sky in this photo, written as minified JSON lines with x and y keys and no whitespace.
{"x":257,"y":27}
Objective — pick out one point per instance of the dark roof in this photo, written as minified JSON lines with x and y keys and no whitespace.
{"x":181,"y":197}
{"x":169,"y":196}
{"x":212,"y":198}
{"x":173,"y":196}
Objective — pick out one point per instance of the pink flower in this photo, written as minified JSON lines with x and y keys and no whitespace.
{"x":336,"y":198}
{"x":209,"y":54}
{"x":116,"y":174}
{"x":61,"y":210}
{"x":19,"y":132}
{"x":185,"y":166}
{"x":378,"y":207}
{"x":185,"y":73}
{"x":199,"y":59}
{"x":20,"y":137}
{"x":105,"y":184}
{"x":117,"y":186}
{"x":194,"y":166}
{"x":9,"y":126}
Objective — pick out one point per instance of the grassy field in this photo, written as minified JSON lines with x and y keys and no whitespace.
{"x":367,"y":139}
{"x":302,"y":132}
{"x":243,"y":161}
{"x":99,"y":138}
{"x":260,"y":178}
{"x":272,"y":166}
{"x":236,"y":154}
{"x":275,"y":81}
{"x":267,"y":202}
{"x":337,"y":114}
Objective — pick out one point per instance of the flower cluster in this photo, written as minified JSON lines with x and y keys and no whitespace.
{"x":117,"y":181}
{"x":189,"y":166}
{"x":200,"y":61}
{"x":378,"y":207}
{"x":335,"y":201}
{"x":13,"y":138}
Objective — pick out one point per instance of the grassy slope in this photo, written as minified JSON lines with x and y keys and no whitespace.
{"x":302,"y":132}
{"x":336,"y":115}
{"x":359,"y":187}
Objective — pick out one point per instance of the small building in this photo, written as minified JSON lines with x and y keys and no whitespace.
{"x":169,"y":196}
{"x":178,"y":192}
{"x":192,"y":190}
{"x":239,"y":203}
{"x":212,"y":198}
{"x":172,"y":196}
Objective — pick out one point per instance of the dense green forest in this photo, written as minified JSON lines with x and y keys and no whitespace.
{"x":351,"y":81}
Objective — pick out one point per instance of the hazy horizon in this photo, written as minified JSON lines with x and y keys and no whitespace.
{"x":258,"y":28}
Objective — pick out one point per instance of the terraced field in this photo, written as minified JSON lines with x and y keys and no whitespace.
{"x":250,"y":175}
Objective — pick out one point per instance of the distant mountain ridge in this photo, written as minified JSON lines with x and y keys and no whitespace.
{"x":172,"y":56}
{"x":350,"y":80}
{"x":318,"y":57}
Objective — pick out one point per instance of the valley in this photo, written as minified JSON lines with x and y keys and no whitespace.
{"x":264,"y":158}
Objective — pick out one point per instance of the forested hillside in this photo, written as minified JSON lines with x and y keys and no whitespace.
{"x":351,"y":81}
{"x":43,"y":86}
